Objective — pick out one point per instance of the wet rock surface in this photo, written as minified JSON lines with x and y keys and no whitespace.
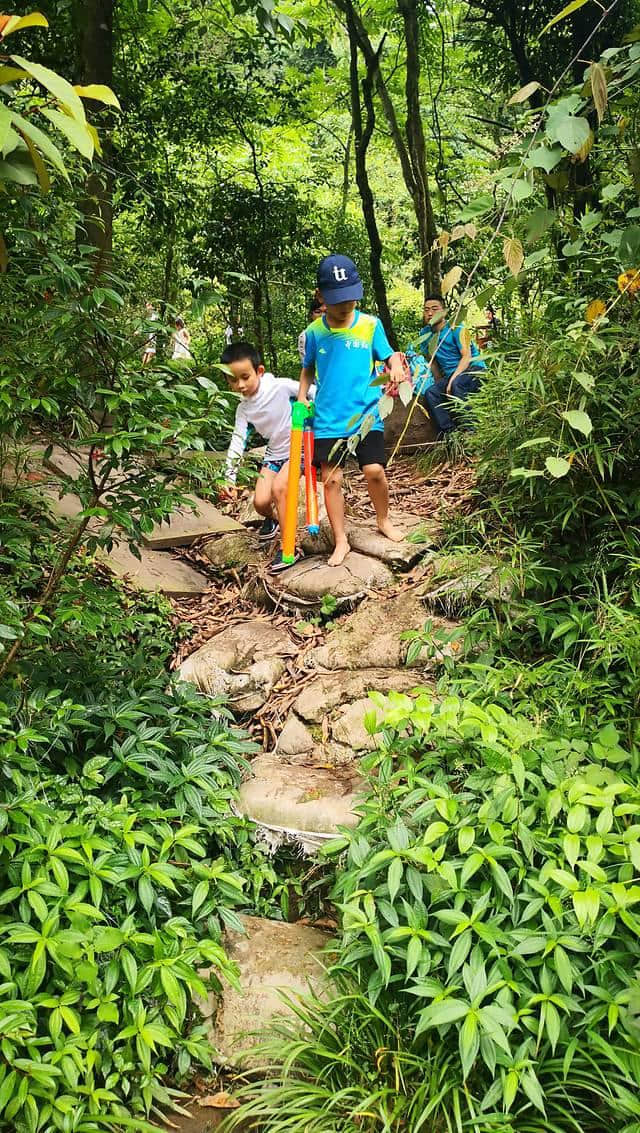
{"x":243,"y":662}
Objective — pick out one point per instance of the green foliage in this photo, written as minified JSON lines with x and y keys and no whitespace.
{"x":121,"y":862}
{"x":488,"y":933}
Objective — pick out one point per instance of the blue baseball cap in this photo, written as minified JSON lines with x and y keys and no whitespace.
{"x":338,"y":280}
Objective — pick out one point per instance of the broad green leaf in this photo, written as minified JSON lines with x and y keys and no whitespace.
{"x":578,"y":420}
{"x":394,"y":878}
{"x":572,"y":132}
{"x":5,"y":125}
{"x":542,"y":157}
{"x":42,"y":141}
{"x":12,"y":75}
{"x":466,"y":838}
{"x":75,"y":132}
{"x":521,"y":189}
{"x":56,"y":85}
{"x":571,"y":847}
{"x":20,"y":173}
{"x":469,"y":1043}
{"x":447,"y":1011}
{"x":598,"y":79}
{"x":99,"y":93}
{"x":557,"y":466}
{"x":611,"y":191}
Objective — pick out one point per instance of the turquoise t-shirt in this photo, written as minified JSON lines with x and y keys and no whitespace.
{"x":446,"y":347}
{"x":345,"y":367}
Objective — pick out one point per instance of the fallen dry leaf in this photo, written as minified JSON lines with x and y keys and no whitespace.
{"x":219,"y":1101}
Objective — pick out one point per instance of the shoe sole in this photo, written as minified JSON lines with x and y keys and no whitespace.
{"x":269,"y":537}
{"x":283,"y":566}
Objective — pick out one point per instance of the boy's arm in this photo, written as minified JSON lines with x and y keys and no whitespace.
{"x":307,"y":375}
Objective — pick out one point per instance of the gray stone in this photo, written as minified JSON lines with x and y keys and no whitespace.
{"x":463,"y":582}
{"x":271,"y":956}
{"x":307,"y":583}
{"x":185,"y":525}
{"x":243,"y":662}
{"x":420,"y":433}
{"x":371,"y":637}
{"x":365,"y":538}
{"x":235,"y":551}
{"x":326,"y":727}
{"x":154,"y":570}
{"x":294,"y":802}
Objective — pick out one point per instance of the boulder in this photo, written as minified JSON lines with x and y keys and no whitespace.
{"x":326,"y":724}
{"x":370,"y":638}
{"x":462,"y":582}
{"x":292,"y":802}
{"x":235,"y":551}
{"x":307,"y":583}
{"x":154,"y":570}
{"x":271,"y":956}
{"x":365,"y":539}
{"x":243,"y":662}
{"x":420,"y":432}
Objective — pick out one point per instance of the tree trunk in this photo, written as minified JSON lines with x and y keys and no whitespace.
{"x":362,"y":137}
{"x":417,"y":149}
{"x":410,"y":149}
{"x":94,"y":21}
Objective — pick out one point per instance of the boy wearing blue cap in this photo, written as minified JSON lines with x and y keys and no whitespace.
{"x":341,"y":349}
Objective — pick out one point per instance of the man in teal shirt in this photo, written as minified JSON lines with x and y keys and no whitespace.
{"x":458,"y":361}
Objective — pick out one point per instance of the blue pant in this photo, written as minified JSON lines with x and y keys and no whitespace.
{"x":437,"y":399}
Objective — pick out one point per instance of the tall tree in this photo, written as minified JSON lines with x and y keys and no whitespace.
{"x":362,"y":133}
{"x":94,"y":24}
{"x":409,"y":143}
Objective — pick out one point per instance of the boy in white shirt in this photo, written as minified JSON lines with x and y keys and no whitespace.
{"x":265,"y":405}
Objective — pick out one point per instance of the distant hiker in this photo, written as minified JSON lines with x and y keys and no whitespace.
{"x":228,"y":334}
{"x":265,"y":405}
{"x":487,"y":334}
{"x":458,"y":361}
{"x":316,"y":309}
{"x":181,"y":340}
{"x":342,"y":348}
{"x":150,"y":342}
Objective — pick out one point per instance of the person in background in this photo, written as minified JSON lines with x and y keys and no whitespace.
{"x":316,"y":310}
{"x":150,"y":345}
{"x":228,"y":334}
{"x":457,"y":359}
{"x":487,"y":334}
{"x":181,"y":341}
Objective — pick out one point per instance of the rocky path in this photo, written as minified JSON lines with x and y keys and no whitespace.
{"x":296,"y":655}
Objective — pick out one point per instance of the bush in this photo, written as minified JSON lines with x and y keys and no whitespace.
{"x":488,"y":936}
{"x":120,"y":862}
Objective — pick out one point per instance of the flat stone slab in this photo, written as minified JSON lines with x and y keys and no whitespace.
{"x":371,"y":637}
{"x":185,"y":526}
{"x":243,"y":662}
{"x":291,"y":802}
{"x":326,"y":724}
{"x":154,"y":570}
{"x":271,"y":956}
{"x":307,"y":583}
{"x":236,"y":550}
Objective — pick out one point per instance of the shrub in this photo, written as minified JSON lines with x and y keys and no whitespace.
{"x":489,"y":937}
{"x":119,"y":866}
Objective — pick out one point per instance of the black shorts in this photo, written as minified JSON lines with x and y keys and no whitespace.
{"x":333,"y":450}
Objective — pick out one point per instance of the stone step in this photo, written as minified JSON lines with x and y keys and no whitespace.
{"x":244,"y":662}
{"x":292,"y":802}
{"x":326,"y":721}
{"x":371,"y":637}
{"x":365,"y":539}
{"x":184,"y":525}
{"x":271,"y":956}
{"x":305,"y":585}
{"x":154,"y":570}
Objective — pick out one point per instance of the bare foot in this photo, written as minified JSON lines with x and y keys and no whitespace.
{"x":340,"y":553}
{"x":391,"y":532}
